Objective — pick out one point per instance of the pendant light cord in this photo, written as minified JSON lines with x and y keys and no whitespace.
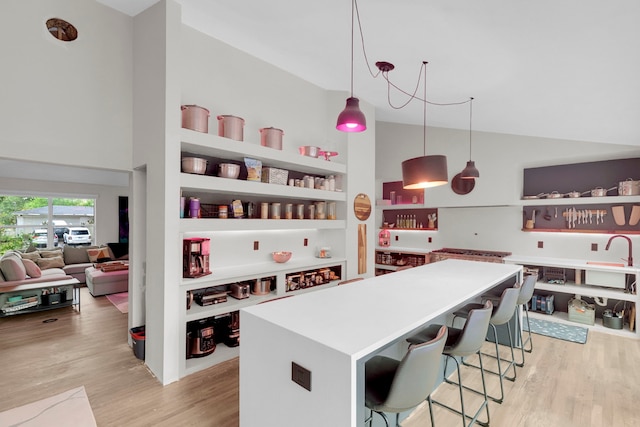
{"x":353,"y":9}
{"x":412,"y":96}
{"x":424,"y":108}
{"x":470,"y":121}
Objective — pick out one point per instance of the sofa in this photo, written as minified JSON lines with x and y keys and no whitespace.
{"x":16,"y":271}
{"x":73,"y":260}
{"x":39,"y":265}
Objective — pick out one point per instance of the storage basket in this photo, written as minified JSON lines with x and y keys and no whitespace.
{"x":555,"y":275}
{"x":543,"y":303}
{"x":612,"y":321}
{"x":582,"y":312}
{"x":210,"y":210}
{"x":53,"y":299}
{"x":275,"y":176}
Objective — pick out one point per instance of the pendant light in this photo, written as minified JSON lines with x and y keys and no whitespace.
{"x":470,"y":171}
{"x":425,"y":171}
{"x":351,"y":119}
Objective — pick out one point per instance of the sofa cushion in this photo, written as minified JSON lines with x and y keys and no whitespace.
{"x":76,"y":255}
{"x":12,"y":267}
{"x":53,"y":262}
{"x":50,"y":253}
{"x":98,"y":254}
{"x":30,"y":255}
{"x":54,"y":273}
{"x":31,"y":268}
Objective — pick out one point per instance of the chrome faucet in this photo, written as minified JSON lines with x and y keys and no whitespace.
{"x":630,"y":259}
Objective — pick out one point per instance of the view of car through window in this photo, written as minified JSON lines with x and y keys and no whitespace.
{"x":40,"y":239}
{"x":77,"y":236}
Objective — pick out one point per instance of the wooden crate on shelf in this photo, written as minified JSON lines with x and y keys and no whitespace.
{"x":554,"y":275}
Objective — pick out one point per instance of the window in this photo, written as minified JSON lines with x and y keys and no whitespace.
{"x":42,"y":221}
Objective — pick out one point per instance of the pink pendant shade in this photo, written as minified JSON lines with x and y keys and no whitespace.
{"x":351,"y":119}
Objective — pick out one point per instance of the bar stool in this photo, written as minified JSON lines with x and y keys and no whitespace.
{"x":400,"y":385}
{"x":461,"y":343}
{"x":501,"y":315}
{"x":526,"y":293}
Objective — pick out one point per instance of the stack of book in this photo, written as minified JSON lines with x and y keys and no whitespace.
{"x":20,"y":304}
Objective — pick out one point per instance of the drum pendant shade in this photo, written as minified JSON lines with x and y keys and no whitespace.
{"x":424,"y":172}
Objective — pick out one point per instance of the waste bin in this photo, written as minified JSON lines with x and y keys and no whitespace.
{"x":138,"y":338}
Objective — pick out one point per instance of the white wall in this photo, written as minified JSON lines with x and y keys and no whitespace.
{"x":66,"y":103}
{"x":229,"y":82}
{"x":157,"y":39}
{"x":490,"y":216}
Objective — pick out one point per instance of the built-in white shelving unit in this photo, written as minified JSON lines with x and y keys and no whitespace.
{"x":213,"y":146}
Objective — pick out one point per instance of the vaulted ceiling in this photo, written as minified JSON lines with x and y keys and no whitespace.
{"x":561,"y":69}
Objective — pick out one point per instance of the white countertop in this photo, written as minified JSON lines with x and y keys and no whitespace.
{"x":581,"y":264}
{"x":361,"y":317}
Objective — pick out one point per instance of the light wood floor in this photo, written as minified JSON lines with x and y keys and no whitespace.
{"x":563,"y":384}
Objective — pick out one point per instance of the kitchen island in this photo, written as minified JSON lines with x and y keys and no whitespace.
{"x":333,"y":332}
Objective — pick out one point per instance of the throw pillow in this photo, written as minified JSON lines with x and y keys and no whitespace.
{"x":12,"y":267}
{"x":98,"y":254}
{"x":53,"y":262}
{"x":30,"y":255}
{"x":11,"y":253}
{"x":76,"y":255}
{"x":31,"y":268}
{"x":50,"y":253}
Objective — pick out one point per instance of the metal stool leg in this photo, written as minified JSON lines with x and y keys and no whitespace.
{"x":462,"y":412}
{"x":502,"y":373}
{"x":523,"y":342}
{"x":384,"y":417}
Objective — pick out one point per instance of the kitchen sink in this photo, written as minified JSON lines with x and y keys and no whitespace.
{"x":607,"y":264}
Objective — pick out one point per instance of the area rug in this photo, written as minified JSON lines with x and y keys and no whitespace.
{"x":577,"y":334}
{"x":121,"y":301}
{"x":68,"y":409}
